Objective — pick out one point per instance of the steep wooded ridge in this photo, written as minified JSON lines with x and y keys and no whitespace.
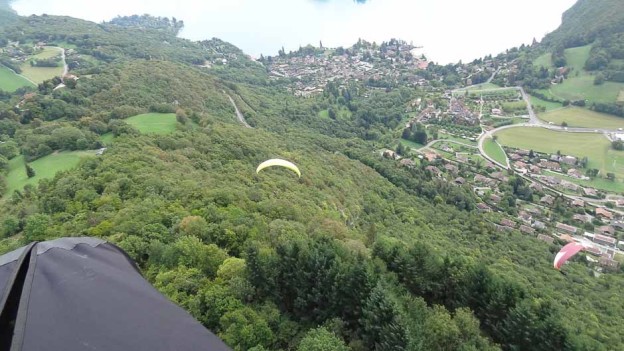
{"x":358,"y":254}
{"x":587,"y":21}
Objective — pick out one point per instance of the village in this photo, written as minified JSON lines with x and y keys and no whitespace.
{"x":310,"y":69}
{"x":527,"y":201}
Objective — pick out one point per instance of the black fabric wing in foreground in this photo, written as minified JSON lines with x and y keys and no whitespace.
{"x":86,"y":294}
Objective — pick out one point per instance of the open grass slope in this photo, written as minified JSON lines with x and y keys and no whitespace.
{"x":616,"y":186}
{"x":580,"y":84}
{"x":580,"y":117}
{"x":9,"y":81}
{"x":45,"y":168}
{"x":544,"y":60}
{"x":583,"y":88}
{"x":548,"y":105}
{"x":576,"y":57}
{"x":40,"y":74}
{"x":593,"y":146}
{"x":493,"y":150}
{"x":154,"y":123}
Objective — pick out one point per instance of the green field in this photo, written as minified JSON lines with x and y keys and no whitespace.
{"x":45,"y":167}
{"x":544,"y":60}
{"x":444,"y":136}
{"x":620,"y":98}
{"x":582,"y":87}
{"x":616,"y":186}
{"x":493,"y":150}
{"x":580,"y":117}
{"x":593,"y":146}
{"x":548,"y":105}
{"x":411,"y":144}
{"x":40,"y":74}
{"x":9,"y":81}
{"x":154,"y":123}
{"x":576,"y":57}
{"x":580,"y":84}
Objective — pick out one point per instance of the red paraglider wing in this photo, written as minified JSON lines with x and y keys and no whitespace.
{"x":566,"y":252}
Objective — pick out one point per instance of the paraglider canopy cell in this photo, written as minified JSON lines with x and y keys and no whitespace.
{"x":280,"y":163}
{"x":566,"y":253}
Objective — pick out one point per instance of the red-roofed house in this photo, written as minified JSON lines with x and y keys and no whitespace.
{"x":603,"y":213}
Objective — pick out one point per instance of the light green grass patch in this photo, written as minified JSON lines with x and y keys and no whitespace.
{"x":544,"y":60}
{"x":548,"y":105}
{"x":583,"y":88}
{"x":48,"y":52}
{"x":616,"y":186}
{"x":576,"y":57}
{"x":580,"y":117}
{"x":620,"y":98}
{"x":593,"y":146}
{"x":45,"y":167}
{"x":9,"y":81}
{"x":107,"y":138}
{"x":154,"y":123}
{"x":40,"y":74}
{"x":411,"y":144}
{"x":493,"y":150}
{"x":444,"y":136}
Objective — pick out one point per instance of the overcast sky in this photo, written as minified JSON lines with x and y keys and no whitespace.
{"x":449,"y":30}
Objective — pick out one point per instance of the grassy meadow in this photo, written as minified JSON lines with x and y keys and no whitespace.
{"x":580,"y":84}
{"x":45,"y":167}
{"x":494,"y":150}
{"x":40,"y":74}
{"x":548,"y":105}
{"x":9,"y":81}
{"x":580,"y":117}
{"x":154,"y":123}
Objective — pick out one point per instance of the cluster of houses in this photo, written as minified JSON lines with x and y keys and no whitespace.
{"x":20,"y":53}
{"x":312,"y":72}
{"x":534,"y":164}
{"x":534,"y":218}
{"x":459,"y":113}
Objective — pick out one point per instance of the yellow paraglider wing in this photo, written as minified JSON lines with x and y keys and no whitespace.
{"x":278,"y":162}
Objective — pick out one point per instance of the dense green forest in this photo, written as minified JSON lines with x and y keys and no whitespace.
{"x":357,"y":254}
{"x":587,"y":21}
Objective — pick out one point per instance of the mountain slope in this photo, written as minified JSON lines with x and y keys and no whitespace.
{"x":586,"y":21}
{"x":382,"y":257}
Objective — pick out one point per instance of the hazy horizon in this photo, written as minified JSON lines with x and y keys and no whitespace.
{"x":449,"y":31}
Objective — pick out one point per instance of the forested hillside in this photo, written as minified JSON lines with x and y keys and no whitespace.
{"x":357,"y":254}
{"x":587,"y":21}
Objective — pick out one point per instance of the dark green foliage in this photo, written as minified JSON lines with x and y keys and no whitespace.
{"x":30,"y":172}
{"x":321,"y":339}
{"x":587,"y":20}
{"x":264,"y":260}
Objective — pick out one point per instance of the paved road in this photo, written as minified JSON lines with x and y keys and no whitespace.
{"x":239,"y":115}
